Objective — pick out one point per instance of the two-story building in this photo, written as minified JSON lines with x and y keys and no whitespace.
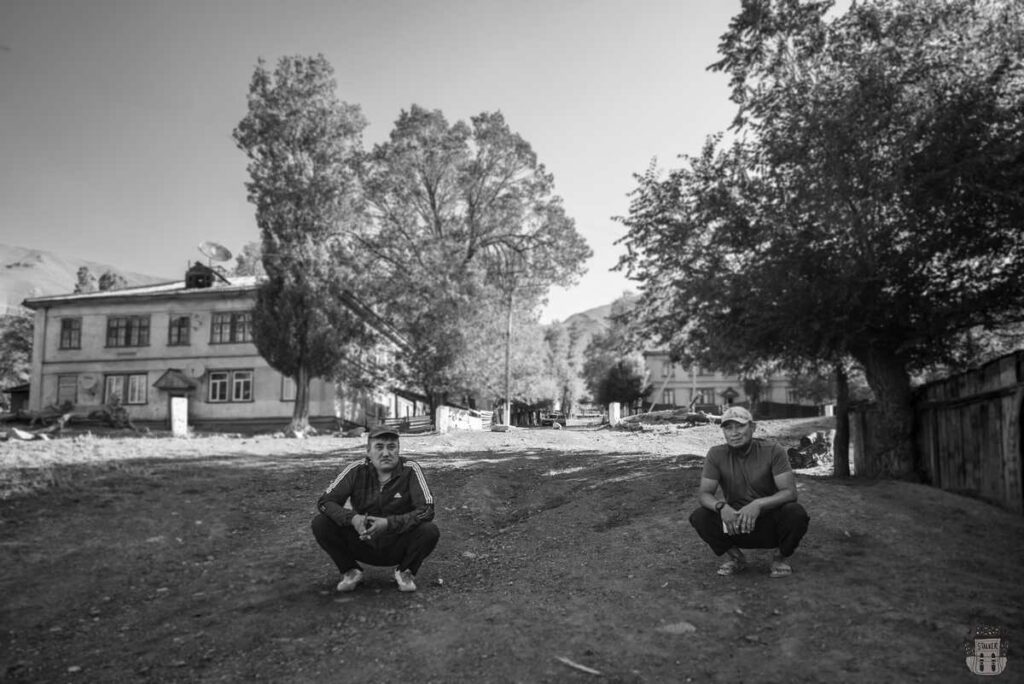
{"x":192,"y":339}
{"x":675,"y":385}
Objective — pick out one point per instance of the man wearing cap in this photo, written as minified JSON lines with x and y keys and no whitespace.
{"x":758,"y":509}
{"x":378,"y":511}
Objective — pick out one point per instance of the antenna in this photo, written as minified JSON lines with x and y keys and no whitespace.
{"x":214,"y":251}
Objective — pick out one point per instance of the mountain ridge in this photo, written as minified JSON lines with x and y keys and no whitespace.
{"x":26,"y":272}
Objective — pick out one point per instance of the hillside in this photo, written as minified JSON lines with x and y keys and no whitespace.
{"x":593,"y":321}
{"x":26,"y":272}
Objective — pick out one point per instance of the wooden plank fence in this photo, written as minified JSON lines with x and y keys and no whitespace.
{"x":969,"y":431}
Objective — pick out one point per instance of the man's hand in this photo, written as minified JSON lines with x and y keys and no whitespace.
{"x":747,"y":516}
{"x":730,"y":517}
{"x":372,"y":527}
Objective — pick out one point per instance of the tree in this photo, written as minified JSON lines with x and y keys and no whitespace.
{"x":869,"y":207}
{"x":249,"y":261}
{"x":302,"y":144}
{"x":15,"y":349}
{"x":465,"y":219}
{"x":110,"y":280}
{"x":614,"y":369}
{"x":86,"y":281}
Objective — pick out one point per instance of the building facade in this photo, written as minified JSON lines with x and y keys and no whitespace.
{"x":142,"y":346}
{"x":711,"y":391}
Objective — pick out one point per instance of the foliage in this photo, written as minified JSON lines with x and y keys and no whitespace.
{"x":869,"y":205}
{"x":465,"y":219}
{"x":302,"y":143}
{"x":249,"y":261}
{"x":614,"y":368}
{"x":564,"y":366}
{"x":111,"y":280}
{"x":86,"y":281}
{"x":15,"y":349}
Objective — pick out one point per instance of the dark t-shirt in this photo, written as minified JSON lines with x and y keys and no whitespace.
{"x":746,"y":477}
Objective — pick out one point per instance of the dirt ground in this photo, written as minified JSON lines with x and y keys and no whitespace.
{"x":162,"y":560}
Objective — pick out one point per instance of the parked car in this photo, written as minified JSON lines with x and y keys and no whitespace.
{"x":552,"y":417}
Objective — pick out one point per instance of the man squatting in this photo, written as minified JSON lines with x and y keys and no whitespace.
{"x":759,"y":508}
{"x":388,"y":520}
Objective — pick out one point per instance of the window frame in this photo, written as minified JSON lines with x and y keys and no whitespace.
{"x":231,"y":327}
{"x":70,"y":333}
{"x":176,"y":329}
{"x":63,"y":380}
{"x":667,"y":393}
{"x":289,"y":389}
{"x":231,"y":386}
{"x":130,"y":385}
{"x":134,"y":326}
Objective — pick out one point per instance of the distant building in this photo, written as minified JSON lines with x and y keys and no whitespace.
{"x":713,"y":391}
{"x":190,"y":338}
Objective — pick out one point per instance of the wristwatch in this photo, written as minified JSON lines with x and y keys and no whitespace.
{"x":719,"y":506}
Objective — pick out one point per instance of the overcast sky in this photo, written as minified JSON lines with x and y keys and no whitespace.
{"x":116,"y":115}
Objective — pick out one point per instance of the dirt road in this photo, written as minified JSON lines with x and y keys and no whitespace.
{"x":160,"y":560}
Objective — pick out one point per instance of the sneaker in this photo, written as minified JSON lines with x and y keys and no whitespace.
{"x":732,"y":566}
{"x":405,"y":580}
{"x":350,"y":580}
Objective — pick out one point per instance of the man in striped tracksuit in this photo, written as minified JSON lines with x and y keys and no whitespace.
{"x":388,"y":517}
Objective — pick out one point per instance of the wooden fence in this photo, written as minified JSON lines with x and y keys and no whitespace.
{"x":967,"y":432}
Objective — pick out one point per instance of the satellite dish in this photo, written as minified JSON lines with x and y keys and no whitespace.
{"x":215,"y":251}
{"x":86,"y":381}
{"x":195,"y":369}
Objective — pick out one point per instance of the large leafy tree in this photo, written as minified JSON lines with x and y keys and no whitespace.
{"x":302,"y":143}
{"x":466,"y":221}
{"x":15,"y":349}
{"x":614,"y":368}
{"x":870,"y":206}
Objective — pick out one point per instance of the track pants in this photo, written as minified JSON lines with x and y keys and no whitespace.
{"x":343,"y":545}
{"x":781,"y":527}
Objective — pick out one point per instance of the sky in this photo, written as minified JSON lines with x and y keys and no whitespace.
{"x":116,"y":115}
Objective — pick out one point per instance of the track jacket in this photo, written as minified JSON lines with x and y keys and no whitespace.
{"x":405,"y":499}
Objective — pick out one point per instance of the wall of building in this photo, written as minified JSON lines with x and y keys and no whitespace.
{"x":86,"y":369}
{"x":709,"y":387}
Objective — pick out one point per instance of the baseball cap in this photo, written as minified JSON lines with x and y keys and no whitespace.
{"x":382,"y":429}
{"x":736,"y":414}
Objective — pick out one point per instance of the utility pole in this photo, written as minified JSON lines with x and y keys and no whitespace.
{"x":508,"y":362}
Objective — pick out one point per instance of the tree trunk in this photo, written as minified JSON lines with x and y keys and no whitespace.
{"x":300,"y":414}
{"x":890,"y":451}
{"x":841,"y":443}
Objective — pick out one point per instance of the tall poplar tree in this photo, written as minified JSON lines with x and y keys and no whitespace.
{"x":302,"y":143}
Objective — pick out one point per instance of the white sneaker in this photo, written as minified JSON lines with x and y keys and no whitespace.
{"x":405,"y":580}
{"x":350,"y":580}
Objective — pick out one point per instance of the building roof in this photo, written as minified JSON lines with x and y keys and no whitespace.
{"x":239,"y":285}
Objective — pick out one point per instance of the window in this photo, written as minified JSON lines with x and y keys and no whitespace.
{"x":668,"y":396}
{"x":230,"y":386}
{"x":128,"y":331}
{"x":288,"y":389}
{"x":705,"y":396}
{"x":130,"y":389}
{"x":71,"y":333}
{"x":67,"y":389}
{"x":177,"y":331}
{"x":231,"y":327}
{"x":668,"y":370}
{"x":792,"y":396}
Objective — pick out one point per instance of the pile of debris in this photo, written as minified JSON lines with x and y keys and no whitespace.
{"x":814,"y":450}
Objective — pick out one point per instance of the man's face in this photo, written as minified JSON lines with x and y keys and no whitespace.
{"x":383,"y":452}
{"x":737,"y":435}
